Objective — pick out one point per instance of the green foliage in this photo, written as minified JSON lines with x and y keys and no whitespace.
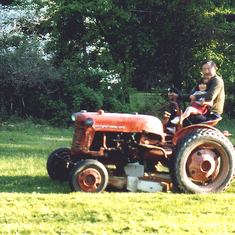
{"x":24,"y":75}
{"x":87,"y":98}
{"x":146,"y":102}
{"x":99,"y":52}
{"x":138,"y":34}
{"x":57,"y":113}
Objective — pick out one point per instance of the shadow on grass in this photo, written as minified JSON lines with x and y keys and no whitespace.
{"x":38,"y":184}
{"x":28,"y":184}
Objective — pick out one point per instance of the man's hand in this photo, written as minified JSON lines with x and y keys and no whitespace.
{"x":173,"y":95}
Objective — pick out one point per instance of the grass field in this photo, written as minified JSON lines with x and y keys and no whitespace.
{"x":31,"y":203}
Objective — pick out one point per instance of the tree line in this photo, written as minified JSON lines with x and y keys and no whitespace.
{"x":61,"y":56}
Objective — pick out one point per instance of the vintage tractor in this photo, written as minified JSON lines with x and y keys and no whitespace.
{"x":137,"y":152}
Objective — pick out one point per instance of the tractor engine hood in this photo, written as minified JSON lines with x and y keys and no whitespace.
{"x":117,"y":122}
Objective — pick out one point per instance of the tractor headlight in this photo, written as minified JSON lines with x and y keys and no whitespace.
{"x":89,"y":122}
{"x":74,"y":117}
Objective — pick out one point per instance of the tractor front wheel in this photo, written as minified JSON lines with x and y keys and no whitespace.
{"x":89,"y":176}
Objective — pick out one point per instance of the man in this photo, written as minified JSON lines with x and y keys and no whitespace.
{"x":215,"y":93}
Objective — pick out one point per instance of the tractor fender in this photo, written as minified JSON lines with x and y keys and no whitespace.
{"x":185,"y":130}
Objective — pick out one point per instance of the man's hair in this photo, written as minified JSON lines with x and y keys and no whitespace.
{"x":212,"y":63}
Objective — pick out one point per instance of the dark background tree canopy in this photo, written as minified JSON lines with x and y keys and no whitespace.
{"x":102,"y":52}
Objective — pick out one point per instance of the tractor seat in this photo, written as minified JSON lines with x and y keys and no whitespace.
{"x":212,"y":122}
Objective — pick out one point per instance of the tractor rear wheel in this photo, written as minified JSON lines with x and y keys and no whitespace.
{"x":203,"y":162}
{"x":89,"y":176}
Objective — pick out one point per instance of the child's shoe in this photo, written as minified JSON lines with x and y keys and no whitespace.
{"x":175,"y":120}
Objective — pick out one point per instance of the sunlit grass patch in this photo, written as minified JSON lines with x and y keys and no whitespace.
{"x":31,"y":203}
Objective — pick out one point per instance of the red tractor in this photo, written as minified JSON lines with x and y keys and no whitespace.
{"x":136,"y":152}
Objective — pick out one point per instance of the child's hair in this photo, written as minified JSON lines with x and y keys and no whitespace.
{"x":201,"y":81}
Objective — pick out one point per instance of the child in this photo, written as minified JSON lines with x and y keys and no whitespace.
{"x":196,"y":107}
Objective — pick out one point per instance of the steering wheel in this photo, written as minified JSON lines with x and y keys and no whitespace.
{"x":175,"y":90}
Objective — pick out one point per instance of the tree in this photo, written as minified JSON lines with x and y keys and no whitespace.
{"x":24,"y":74}
{"x":106,"y":50}
{"x":146,"y":43}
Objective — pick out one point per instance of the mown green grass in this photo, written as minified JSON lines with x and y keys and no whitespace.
{"x":31,"y":203}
